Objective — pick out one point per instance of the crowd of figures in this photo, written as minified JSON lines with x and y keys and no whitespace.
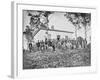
{"x":54,"y":44}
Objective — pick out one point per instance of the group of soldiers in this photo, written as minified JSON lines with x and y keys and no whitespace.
{"x":57,"y":44}
{"x":44,"y":45}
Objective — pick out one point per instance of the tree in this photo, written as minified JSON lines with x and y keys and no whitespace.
{"x":85,"y":20}
{"x":73,"y":18}
{"x":78,"y":19}
{"x":28,"y":34}
{"x":38,"y":20}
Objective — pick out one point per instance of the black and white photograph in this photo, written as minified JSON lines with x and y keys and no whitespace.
{"x":56,"y":39}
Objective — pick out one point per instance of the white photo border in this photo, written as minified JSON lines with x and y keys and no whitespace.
{"x":18,"y":53}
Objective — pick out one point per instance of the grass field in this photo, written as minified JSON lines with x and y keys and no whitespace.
{"x":58,"y":58}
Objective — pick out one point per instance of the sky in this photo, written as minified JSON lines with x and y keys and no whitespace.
{"x":60,"y":22}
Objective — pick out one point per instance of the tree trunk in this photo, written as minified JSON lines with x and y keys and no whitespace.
{"x":76,"y":32}
{"x":76,"y":36}
{"x":85,"y":37}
